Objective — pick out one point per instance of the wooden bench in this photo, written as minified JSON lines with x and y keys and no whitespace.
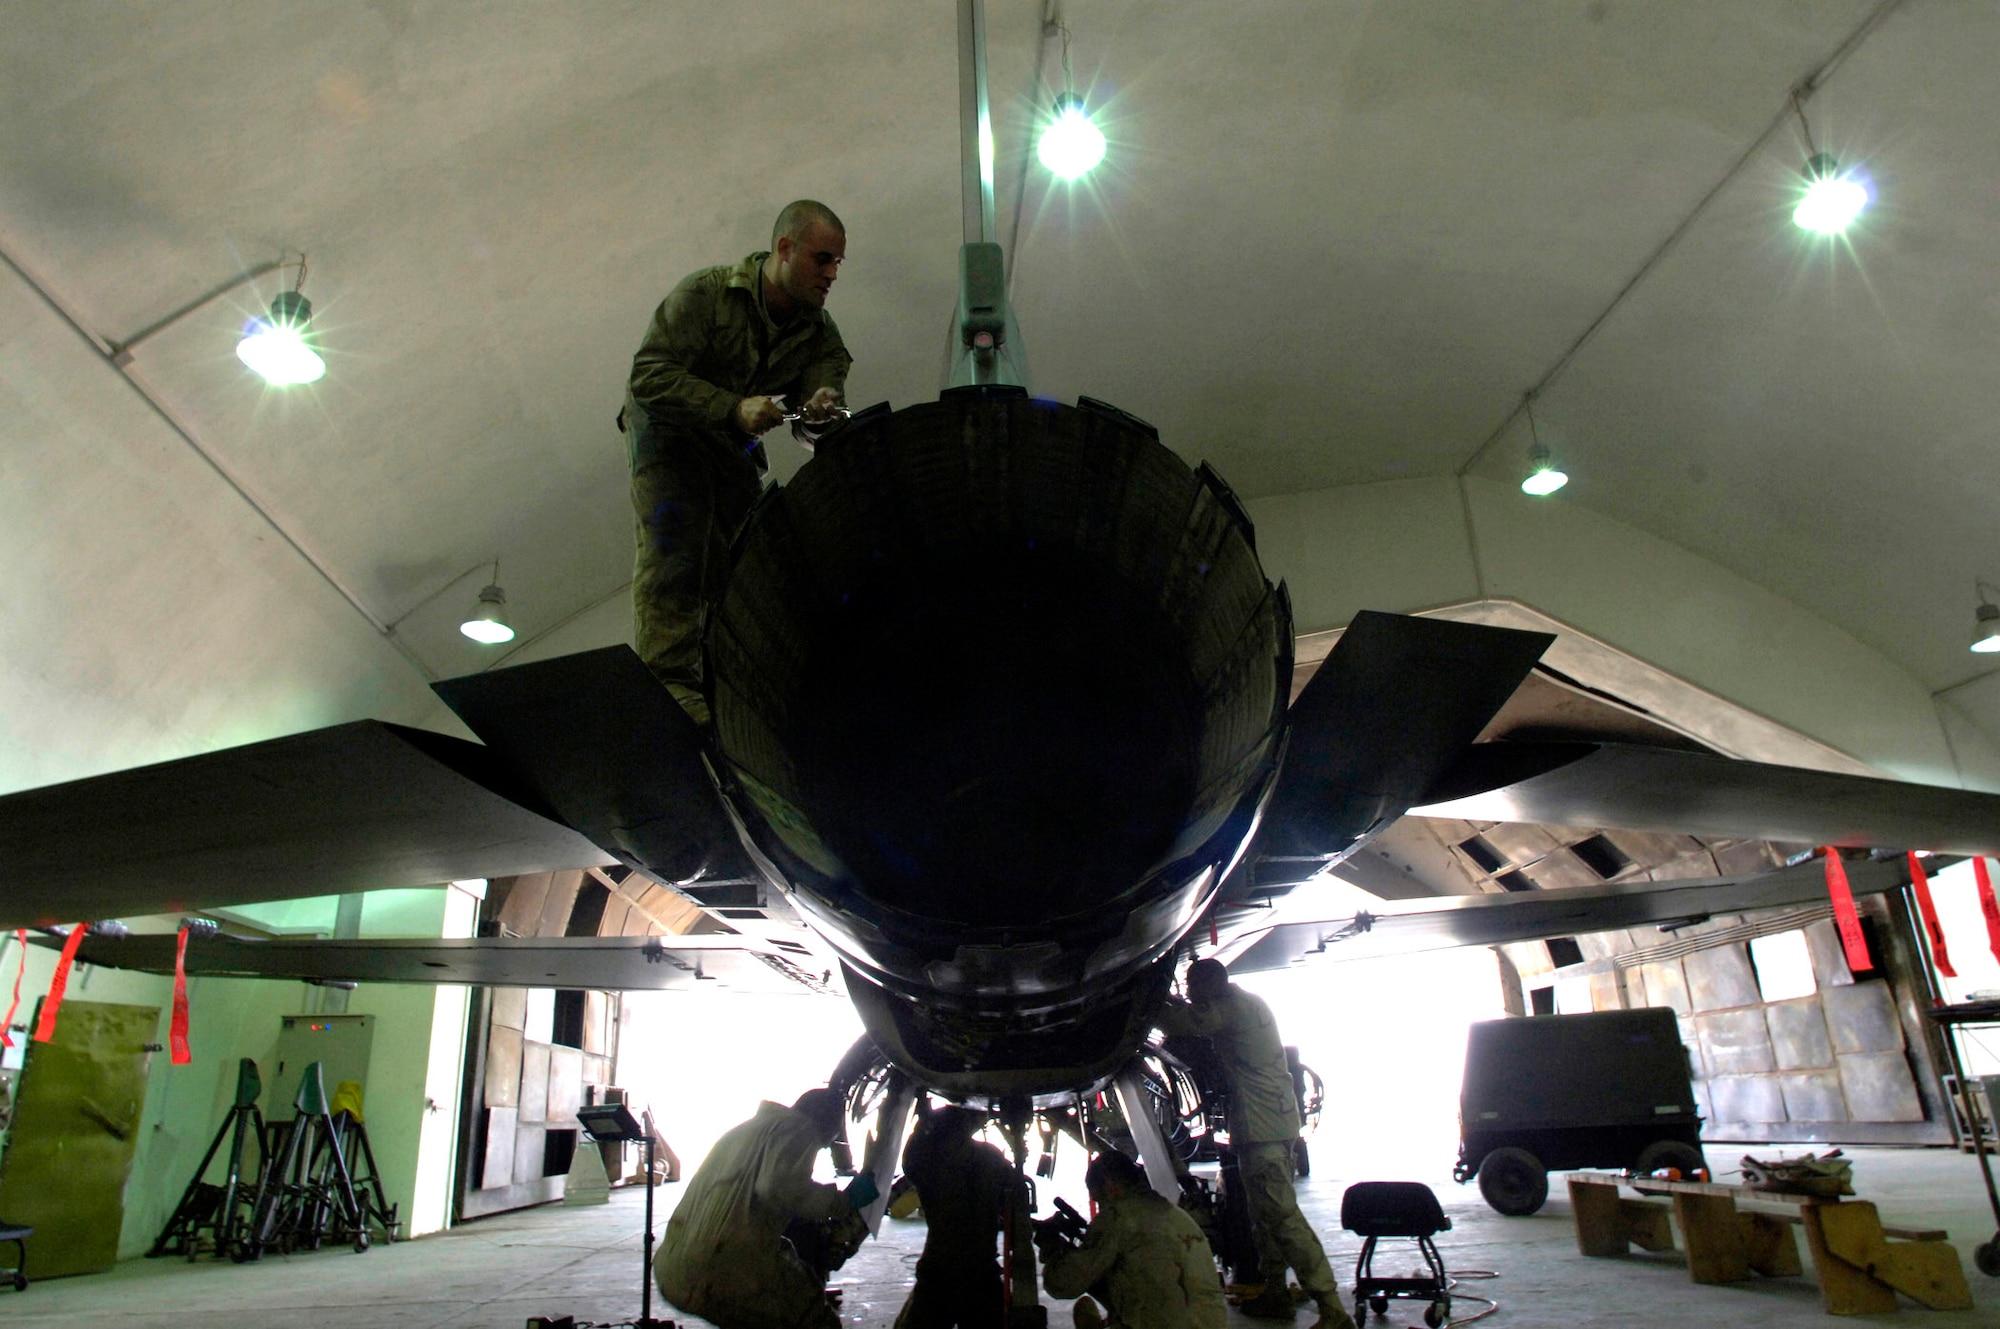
{"x":1731,"y":1232}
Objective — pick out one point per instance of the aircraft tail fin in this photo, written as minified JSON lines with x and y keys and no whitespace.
{"x":1397,"y":704}
{"x":596,"y":737}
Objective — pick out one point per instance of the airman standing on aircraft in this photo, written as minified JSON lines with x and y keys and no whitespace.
{"x":724,"y":1256}
{"x":1142,"y":1256}
{"x":968,"y":1191}
{"x":1264,"y":1131}
{"x":731,"y":353}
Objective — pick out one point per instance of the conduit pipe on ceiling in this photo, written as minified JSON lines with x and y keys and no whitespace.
{"x":117,"y":357}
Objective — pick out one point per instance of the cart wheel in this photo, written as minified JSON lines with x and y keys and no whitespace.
{"x":1360,"y":1313}
{"x":1513,"y":1181}
{"x":1986,"y":1258}
{"x":360,"y":1242}
{"x":1437,"y":1313}
{"x":20,"y":1282}
{"x":1684,"y":1158}
{"x":1380,"y":1305}
{"x":1302,"y":1163}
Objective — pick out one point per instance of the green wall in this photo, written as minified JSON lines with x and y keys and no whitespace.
{"x":230,"y":1018}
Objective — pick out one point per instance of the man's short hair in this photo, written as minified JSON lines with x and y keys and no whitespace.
{"x":798,"y":217}
{"x":823,"y":1106}
{"x":1211,"y":974}
{"x":960,"y":1121}
{"x":1114,"y":1167}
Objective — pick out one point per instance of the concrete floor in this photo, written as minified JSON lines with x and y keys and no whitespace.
{"x":585,"y":1262}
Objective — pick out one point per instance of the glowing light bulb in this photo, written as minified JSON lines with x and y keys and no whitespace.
{"x":276,"y":348}
{"x":1543,"y":477}
{"x":1833,"y":199}
{"x":488,"y":624}
{"x":1986,"y":629}
{"x":1071,"y":144}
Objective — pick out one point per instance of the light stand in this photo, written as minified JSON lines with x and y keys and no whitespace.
{"x":613,"y":1123}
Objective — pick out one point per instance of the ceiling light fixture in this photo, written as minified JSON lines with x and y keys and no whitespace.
{"x":1070,"y":144}
{"x":1544,"y":476}
{"x":1833,"y":197}
{"x":277,"y":348}
{"x":1985,"y":621}
{"x":488,"y":624}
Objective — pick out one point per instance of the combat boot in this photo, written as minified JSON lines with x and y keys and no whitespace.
{"x":1332,"y":1315}
{"x":1275,"y":1302}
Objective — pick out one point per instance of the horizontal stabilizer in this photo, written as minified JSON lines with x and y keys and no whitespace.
{"x":599,"y":739}
{"x":1397,"y":702}
{"x":605,"y":963}
{"x":355,"y":807}
{"x":1621,"y":787}
{"x":1403,"y":927}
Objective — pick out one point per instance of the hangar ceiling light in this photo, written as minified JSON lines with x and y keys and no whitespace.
{"x":488,"y":624}
{"x":277,"y":348}
{"x":1544,"y":476}
{"x":1985,"y":622}
{"x":1070,"y":144}
{"x":1833,"y":197}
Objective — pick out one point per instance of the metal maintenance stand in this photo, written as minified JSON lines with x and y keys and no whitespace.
{"x":613,"y":1123}
{"x":1950,"y":1020}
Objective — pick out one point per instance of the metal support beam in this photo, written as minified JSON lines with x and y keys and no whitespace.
{"x":975,"y":123}
{"x":1137,"y":1105}
{"x":885,"y":1147}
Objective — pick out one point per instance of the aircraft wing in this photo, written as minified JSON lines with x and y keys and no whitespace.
{"x":722,"y":963}
{"x":1405,"y":926}
{"x":355,"y":807}
{"x":1625,"y":787}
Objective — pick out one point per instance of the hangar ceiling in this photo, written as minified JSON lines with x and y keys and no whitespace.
{"x":1332,"y":245}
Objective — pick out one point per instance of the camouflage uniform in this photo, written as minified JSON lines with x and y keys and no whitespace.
{"x":1263,"y":1129}
{"x":965,"y":1186}
{"x":723,"y":1256}
{"x":695,"y":474}
{"x":1149,"y":1264}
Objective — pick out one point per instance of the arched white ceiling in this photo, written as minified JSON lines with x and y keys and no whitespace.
{"x":1333,"y":245}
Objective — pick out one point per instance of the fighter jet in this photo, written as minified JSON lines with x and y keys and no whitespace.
{"x":1002,"y":708}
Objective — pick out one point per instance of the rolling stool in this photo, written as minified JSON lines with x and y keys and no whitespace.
{"x":18,"y":1275}
{"x":1375,"y":1209}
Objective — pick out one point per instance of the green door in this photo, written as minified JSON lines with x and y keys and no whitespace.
{"x":76,"y":1124}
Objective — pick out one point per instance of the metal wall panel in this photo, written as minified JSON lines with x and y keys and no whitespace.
{"x":1720,"y":978}
{"x":534,"y":1083}
{"x":1879,"y":1088}
{"x":1737,"y":1043}
{"x":565,"y":1086}
{"x":1829,"y":957}
{"x":1862,"y":1018}
{"x":1666,"y":985}
{"x":510,"y":1007}
{"x":1747,"y":1098}
{"x":503,"y":1067}
{"x":1814,"y":1096}
{"x":501,"y":1128}
{"x":1799,"y":1038}
{"x":530,"y":1153}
